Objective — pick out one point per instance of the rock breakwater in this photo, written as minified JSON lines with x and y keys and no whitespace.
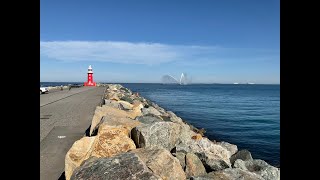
{"x":134,"y":138}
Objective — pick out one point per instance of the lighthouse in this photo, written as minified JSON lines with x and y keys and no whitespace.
{"x":90,"y":78}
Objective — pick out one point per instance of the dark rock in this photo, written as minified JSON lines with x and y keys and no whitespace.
{"x":127,"y":98}
{"x":123,"y":166}
{"x":126,"y":90}
{"x":244,"y":155}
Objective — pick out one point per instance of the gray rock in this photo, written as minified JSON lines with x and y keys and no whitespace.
{"x":162,"y":163}
{"x":158,"y":134}
{"x":244,"y":155}
{"x":259,"y":167}
{"x":194,"y":166}
{"x":212,"y":155}
{"x":111,"y":103}
{"x":174,"y":117}
{"x":229,"y":174}
{"x":149,"y":119}
{"x":182,"y":159}
{"x":150,"y":110}
{"x":123,"y":166}
{"x":127,"y":98}
{"x":230,"y":147}
{"x":126,"y":90}
{"x":214,"y":164}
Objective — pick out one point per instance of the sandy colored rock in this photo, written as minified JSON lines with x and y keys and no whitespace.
{"x":119,"y":121}
{"x":79,"y":152}
{"x":197,"y":137}
{"x":111,"y":141}
{"x":113,"y":96}
{"x":126,"y":105}
{"x":113,"y":112}
{"x":194,"y":166}
{"x":162,"y":163}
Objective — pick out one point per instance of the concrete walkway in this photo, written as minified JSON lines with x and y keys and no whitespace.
{"x":64,"y":118}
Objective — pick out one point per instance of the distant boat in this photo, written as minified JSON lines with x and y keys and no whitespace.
{"x":250,"y":83}
{"x":235,"y":83}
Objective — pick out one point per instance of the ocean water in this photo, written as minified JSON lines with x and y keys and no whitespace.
{"x":245,"y":115}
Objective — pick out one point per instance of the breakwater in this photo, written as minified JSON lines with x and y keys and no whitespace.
{"x":133,"y":138}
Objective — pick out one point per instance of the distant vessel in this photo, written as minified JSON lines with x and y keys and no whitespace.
{"x":235,"y":83}
{"x":250,"y":83}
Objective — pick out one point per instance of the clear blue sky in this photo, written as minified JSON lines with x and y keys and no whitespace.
{"x":212,"y":41}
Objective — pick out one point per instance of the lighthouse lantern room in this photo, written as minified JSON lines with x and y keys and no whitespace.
{"x":90,"y":81}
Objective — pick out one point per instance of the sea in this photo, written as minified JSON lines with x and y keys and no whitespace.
{"x":247,"y":115}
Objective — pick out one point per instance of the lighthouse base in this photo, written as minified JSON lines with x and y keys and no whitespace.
{"x":90,"y":84}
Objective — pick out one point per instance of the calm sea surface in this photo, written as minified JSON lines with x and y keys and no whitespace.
{"x":245,"y":115}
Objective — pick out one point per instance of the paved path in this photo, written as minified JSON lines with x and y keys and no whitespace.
{"x":64,"y":118}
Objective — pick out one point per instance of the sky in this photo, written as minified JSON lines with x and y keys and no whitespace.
{"x":140,"y":41}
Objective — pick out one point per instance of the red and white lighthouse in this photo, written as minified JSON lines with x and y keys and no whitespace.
{"x":90,"y":78}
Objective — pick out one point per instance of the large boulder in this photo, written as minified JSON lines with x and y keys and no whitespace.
{"x":112,"y":96}
{"x":158,"y":134}
{"x":162,"y":163}
{"x":111,"y":103}
{"x":79,"y":152}
{"x":259,"y":167}
{"x":123,"y":105}
{"x":111,"y":141}
{"x":230,"y":147}
{"x":150,"y":110}
{"x":244,"y":155}
{"x":123,"y":166}
{"x":214,"y":156}
{"x":116,"y":121}
{"x":113,"y":112}
{"x":149,"y":119}
{"x":229,"y":174}
{"x":194,"y":166}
